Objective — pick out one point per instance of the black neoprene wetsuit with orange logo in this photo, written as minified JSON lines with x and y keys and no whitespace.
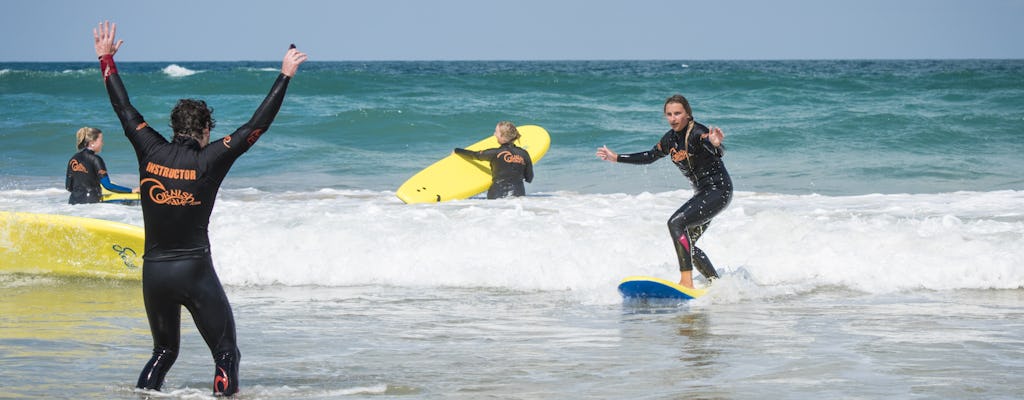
{"x":701,"y":162}
{"x":510,"y":166}
{"x":179,"y":181}
{"x":85,"y":174}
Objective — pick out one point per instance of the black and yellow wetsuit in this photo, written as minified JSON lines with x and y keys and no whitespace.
{"x":510,"y":166}
{"x":179,"y":181}
{"x":702,"y":164}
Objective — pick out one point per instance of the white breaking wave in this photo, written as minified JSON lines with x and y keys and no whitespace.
{"x":770,"y":243}
{"x":177,"y":71}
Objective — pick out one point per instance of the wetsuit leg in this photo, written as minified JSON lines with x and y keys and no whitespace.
{"x":688,"y":223}
{"x":700,"y":260}
{"x":703,"y":264}
{"x":167,"y":285}
{"x":506,"y":189}
{"x":84,"y":197}
{"x":163,"y":307}
{"x":216,"y":323}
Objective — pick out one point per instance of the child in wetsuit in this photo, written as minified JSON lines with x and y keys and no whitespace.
{"x":87,"y":171}
{"x":510,"y":164}
{"x":697,"y":151}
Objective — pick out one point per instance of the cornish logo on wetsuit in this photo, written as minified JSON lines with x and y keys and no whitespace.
{"x":677,"y":155}
{"x":171,"y":197}
{"x":78,"y":167}
{"x":254,"y":136}
{"x":511,"y":158}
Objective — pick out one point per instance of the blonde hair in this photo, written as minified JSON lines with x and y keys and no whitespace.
{"x":507,"y":132}
{"x":87,"y":135}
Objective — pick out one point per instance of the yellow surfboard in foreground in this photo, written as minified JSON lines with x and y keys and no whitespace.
{"x":455,"y":177}
{"x":70,"y":246}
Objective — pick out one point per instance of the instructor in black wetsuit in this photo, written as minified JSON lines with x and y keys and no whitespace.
{"x":510,"y":164}
{"x":179,"y":181}
{"x":697,"y":151}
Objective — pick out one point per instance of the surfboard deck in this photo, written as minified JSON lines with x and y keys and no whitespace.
{"x":122,"y":198}
{"x":646,"y":287}
{"x":71,"y":246}
{"x":455,"y":177}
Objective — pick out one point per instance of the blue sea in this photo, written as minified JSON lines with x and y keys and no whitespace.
{"x":874,"y":248}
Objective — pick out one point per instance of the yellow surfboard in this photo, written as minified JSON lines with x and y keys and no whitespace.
{"x":455,"y":177}
{"x":113,"y":197}
{"x":72,"y":246}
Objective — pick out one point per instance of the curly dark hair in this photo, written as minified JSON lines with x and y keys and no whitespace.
{"x":190,"y":117}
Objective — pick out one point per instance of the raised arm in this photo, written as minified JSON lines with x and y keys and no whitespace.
{"x":106,"y":45}
{"x":267,"y":111}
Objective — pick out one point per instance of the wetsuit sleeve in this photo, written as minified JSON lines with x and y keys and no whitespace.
{"x":135,"y":127}
{"x":247,"y":135}
{"x":101,"y":170}
{"x":646,"y":157}
{"x":702,"y":138}
{"x":528,"y":172}
{"x":105,"y":181}
{"x":219,"y":155}
{"x":67,"y":177}
{"x":479,"y":155}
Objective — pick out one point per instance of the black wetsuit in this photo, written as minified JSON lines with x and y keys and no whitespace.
{"x":86,"y":172}
{"x":179,"y":184}
{"x":701,"y":162}
{"x":510,"y":166}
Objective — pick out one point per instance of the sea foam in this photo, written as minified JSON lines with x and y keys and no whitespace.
{"x":177,"y":71}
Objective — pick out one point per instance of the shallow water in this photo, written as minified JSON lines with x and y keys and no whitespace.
{"x":370,"y":341}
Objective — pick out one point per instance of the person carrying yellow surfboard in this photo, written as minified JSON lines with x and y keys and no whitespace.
{"x":510,"y":164}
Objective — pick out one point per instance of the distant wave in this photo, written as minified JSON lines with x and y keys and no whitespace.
{"x":177,"y":71}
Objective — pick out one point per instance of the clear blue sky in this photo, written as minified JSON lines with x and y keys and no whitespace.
{"x":205,"y":30}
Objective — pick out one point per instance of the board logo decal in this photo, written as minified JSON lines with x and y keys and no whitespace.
{"x":127,"y":254}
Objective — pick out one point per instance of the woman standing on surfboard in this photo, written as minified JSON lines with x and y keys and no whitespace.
{"x":180,"y":180}
{"x":510,"y":164}
{"x":87,"y":171}
{"x":697,"y":151}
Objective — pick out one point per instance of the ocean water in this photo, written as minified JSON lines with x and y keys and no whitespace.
{"x":874,"y":249}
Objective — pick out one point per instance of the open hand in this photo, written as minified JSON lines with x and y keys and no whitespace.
{"x":103,"y":38}
{"x":716,"y":136}
{"x":606,"y":154}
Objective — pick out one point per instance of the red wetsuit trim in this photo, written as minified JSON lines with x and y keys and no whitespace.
{"x":107,"y":66}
